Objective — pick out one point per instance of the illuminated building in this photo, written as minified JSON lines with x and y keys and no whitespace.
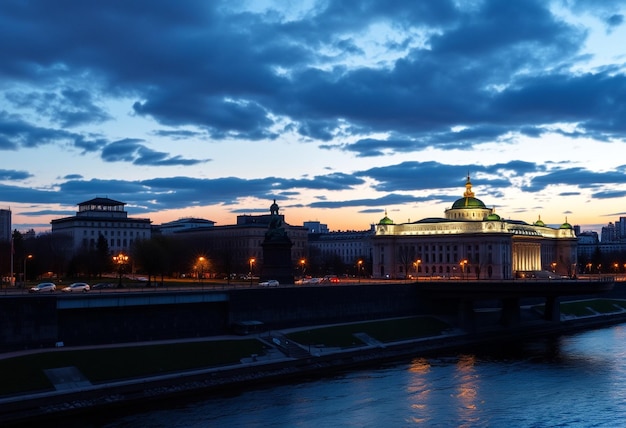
{"x":471,"y":242}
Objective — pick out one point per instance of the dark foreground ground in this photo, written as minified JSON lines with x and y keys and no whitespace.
{"x":40,"y":385}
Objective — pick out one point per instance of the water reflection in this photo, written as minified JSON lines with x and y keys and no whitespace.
{"x":419,"y":390}
{"x":569,"y":381}
{"x":467,"y":381}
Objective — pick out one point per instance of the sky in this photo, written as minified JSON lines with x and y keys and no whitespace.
{"x":341,"y":111}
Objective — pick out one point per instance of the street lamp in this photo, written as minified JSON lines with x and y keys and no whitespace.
{"x":417,"y":268}
{"x":28,"y":257}
{"x":200,"y":268}
{"x":121,"y":259}
{"x":302,"y":267}
{"x":553,"y":266}
{"x":463,"y":264}
{"x":360,"y":265}
{"x":252,"y":260}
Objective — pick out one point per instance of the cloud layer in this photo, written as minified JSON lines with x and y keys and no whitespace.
{"x":370,"y":81}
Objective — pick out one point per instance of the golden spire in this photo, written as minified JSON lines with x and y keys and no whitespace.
{"x":468,"y":188}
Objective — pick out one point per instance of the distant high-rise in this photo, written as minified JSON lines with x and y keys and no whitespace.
{"x":5,"y":225}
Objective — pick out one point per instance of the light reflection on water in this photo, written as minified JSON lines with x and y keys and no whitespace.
{"x":570,"y":381}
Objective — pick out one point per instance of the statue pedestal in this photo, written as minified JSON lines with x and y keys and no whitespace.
{"x":277,"y":260}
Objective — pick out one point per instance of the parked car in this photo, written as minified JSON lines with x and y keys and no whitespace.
{"x":102,"y":285}
{"x":269,"y":283}
{"x":77,"y":286}
{"x":44,"y":286}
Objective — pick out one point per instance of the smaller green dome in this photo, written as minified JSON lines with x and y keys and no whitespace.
{"x":493,"y":217}
{"x":539,"y":222}
{"x":566,"y":225}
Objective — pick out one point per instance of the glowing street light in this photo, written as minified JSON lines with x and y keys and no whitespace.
{"x":252,"y":260}
{"x":121,"y":259}
{"x":417,"y":267}
{"x":28,"y":257}
{"x":360,"y":265}
{"x":302,"y":267}
{"x":463,"y":264}
{"x":201,"y":261}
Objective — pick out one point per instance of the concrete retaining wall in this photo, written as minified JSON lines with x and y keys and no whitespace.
{"x":28,"y":322}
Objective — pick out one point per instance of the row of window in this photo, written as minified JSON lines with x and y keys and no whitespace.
{"x":113,"y":233}
{"x":113,"y":243}
{"x":110,"y":225}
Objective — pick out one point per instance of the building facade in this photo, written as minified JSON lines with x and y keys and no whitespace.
{"x":242,"y":242}
{"x":182,"y":224}
{"x":102,"y":217}
{"x":471,"y":241}
{"x":5,"y":225}
{"x":349,"y":246}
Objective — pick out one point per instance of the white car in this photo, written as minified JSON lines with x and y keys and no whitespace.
{"x":269,"y":283}
{"x":77,"y":286}
{"x":44,"y":286}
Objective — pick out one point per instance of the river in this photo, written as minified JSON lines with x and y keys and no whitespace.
{"x":576,"y":380}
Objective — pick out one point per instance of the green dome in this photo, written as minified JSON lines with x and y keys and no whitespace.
{"x":565,"y":225}
{"x":493,"y":217}
{"x":468,"y":202}
{"x":540,"y":223}
{"x":385,"y":220}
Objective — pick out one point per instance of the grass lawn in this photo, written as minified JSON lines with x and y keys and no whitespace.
{"x":589,"y":307}
{"x":25,"y":373}
{"x":342,"y":336}
{"x":602,"y":306}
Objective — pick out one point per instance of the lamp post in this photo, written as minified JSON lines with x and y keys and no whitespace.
{"x":360,"y":265}
{"x":28,"y":257}
{"x":553,"y":267}
{"x":252,"y":260}
{"x":463,"y":264}
{"x":302,"y":268}
{"x":417,"y":268}
{"x":200,"y":269}
{"x":121,"y":259}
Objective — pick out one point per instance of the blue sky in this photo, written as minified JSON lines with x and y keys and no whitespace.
{"x":339,"y":110}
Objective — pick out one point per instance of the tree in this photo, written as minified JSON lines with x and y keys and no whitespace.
{"x":406,"y":258}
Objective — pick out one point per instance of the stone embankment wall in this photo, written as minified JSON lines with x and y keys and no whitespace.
{"x":28,"y":321}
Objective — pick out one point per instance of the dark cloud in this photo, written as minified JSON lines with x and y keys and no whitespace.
{"x":453,"y":75}
{"x":67,"y":108}
{"x":137,"y":153}
{"x":144,"y":196}
{"x":411,"y":176}
{"x":580,"y":177}
{"x":209,"y":65}
{"x":12,"y":175}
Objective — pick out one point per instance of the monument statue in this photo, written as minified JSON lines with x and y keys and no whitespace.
{"x":275,"y":229}
{"x":277,"y":262}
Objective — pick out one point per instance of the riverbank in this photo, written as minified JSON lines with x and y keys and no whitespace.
{"x":283,"y":360}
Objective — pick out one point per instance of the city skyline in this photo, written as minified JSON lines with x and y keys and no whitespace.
{"x":340,"y":113}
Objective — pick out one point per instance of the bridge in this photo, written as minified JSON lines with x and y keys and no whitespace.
{"x":463,"y":295}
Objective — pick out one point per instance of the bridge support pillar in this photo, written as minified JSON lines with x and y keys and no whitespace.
{"x":511,"y":313}
{"x":466,"y":315}
{"x":553,"y":309}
